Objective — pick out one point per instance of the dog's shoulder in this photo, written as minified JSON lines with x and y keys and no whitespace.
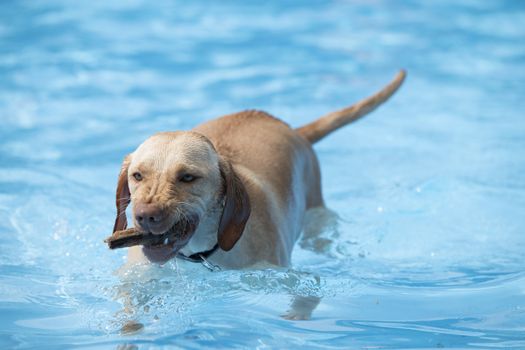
{"x":255,"y":114}
{"x":250,"y":117}
{"x":243,"y":119}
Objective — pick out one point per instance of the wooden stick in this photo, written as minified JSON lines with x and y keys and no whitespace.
{"x":132,"y":237}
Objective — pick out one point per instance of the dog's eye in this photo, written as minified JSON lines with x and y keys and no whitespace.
{"x":137,"y":176}
{"x":187,"y":178}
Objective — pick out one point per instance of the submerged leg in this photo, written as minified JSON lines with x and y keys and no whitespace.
{"x":302,"y":307}
{"x":320,"y":229}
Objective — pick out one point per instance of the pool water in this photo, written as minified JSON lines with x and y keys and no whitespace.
{"x":427,"y":250}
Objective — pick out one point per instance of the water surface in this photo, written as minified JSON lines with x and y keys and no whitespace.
{"x":430,"y":192}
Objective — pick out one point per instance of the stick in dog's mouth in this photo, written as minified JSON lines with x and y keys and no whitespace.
{"x":178,"y":235}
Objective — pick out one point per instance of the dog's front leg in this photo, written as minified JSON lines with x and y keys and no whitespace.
{"x":302,"y":307}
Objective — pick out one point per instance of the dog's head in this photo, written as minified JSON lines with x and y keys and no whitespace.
{"x":173,"y":179}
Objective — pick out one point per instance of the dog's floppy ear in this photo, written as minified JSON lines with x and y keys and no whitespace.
{"x":236,"y":209}
{"x":123,"y":196}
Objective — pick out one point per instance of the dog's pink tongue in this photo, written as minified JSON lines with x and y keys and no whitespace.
{"x":159,"y":254}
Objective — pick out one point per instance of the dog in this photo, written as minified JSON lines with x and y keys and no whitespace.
{"x":240,"y":185}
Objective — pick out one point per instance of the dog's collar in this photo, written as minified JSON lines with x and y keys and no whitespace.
{"x":201,"y":257}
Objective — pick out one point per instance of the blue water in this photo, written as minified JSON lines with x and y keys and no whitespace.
{"x":428,"y":250}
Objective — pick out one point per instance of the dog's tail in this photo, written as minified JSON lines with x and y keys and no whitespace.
{"x":318,"y":129}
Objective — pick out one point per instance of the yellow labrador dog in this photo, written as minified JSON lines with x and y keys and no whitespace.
{"x":240,"y":185}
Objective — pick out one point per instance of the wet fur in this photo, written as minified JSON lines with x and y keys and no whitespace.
{"x":257,"y":179}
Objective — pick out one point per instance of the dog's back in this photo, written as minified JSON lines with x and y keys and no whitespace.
{"x":281,"y":174}
{"x":280,"y":171}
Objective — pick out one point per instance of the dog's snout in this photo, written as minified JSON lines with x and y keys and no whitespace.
{"x":150,"y":217}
